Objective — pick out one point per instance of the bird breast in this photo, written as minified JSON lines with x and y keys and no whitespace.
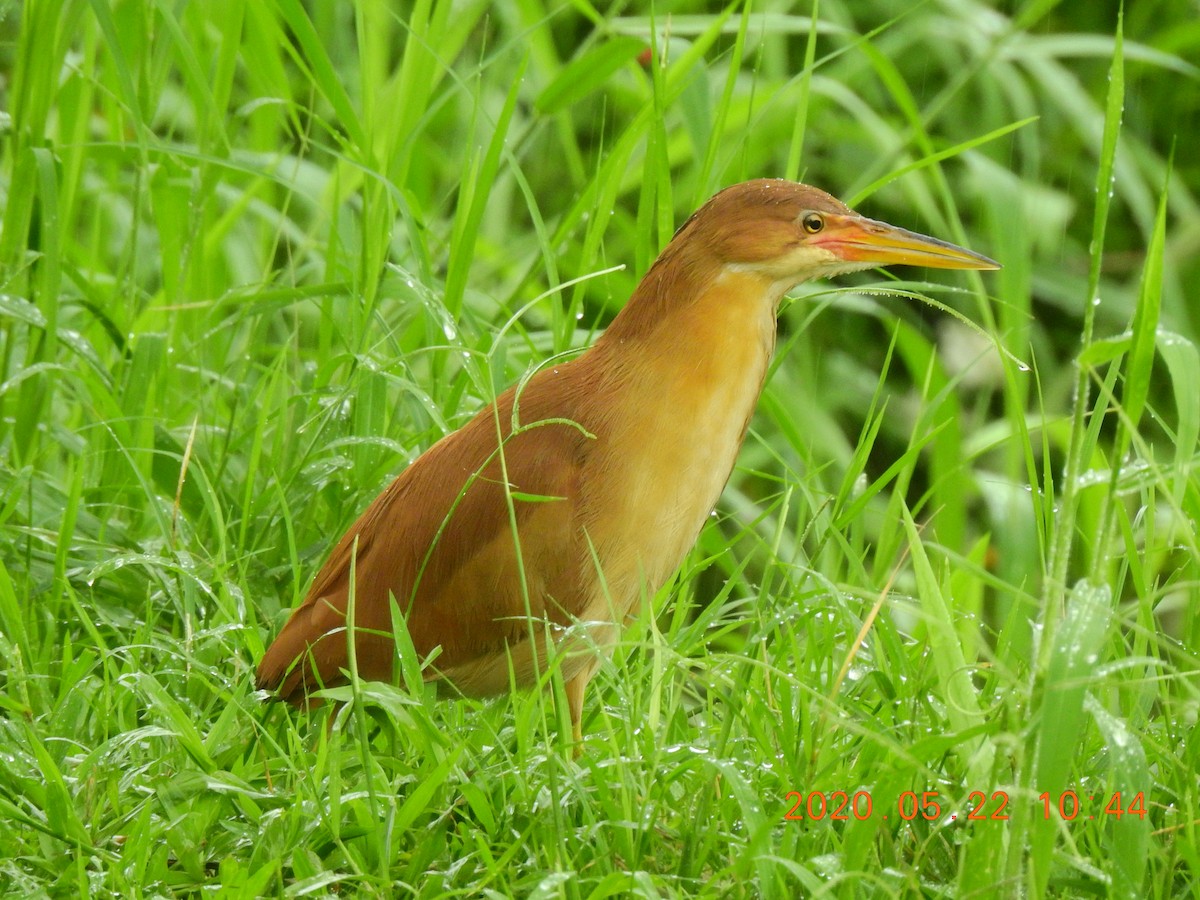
{"x":676,"y":427}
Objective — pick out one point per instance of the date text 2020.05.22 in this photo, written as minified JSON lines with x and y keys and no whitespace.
{"x":979,"y":806}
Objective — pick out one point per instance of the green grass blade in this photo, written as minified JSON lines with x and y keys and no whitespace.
{"x":1129,"y":837}
{"x":476,"y":190}
{"x":1072,"y":665}
{"x":954,"y":672}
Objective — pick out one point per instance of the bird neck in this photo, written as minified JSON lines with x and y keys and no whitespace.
{"x":678,"y":279}
{"x":690,"y":302}
{"x":693,"y":332}
{"x":673,"y":384}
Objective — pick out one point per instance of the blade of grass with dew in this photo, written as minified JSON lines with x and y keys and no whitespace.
{"x":1078,"y":451}
{"x":954,"y":672}
{"x":1071,"y":668}
{"x":1129,"y":783}
{"x":1029,"y":834}
{"x":1143,"y":331}
{"x":1144,"y":327}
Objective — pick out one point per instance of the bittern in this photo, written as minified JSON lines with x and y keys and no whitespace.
{"x":534,"y":531}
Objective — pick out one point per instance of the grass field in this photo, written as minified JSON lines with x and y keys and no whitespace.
{"x":255,"y":257}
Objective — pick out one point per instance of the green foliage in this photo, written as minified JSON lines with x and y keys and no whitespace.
{"x":256,"y":257}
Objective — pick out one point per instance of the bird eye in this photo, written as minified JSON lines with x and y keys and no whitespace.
{"x":812,"y":222}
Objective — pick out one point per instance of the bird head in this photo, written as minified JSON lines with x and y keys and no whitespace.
{"x":789,"y":232}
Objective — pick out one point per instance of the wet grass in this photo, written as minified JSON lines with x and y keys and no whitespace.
{"x":255,"y":258}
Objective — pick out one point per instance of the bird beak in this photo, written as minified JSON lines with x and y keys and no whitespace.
{"x":857,"y":239}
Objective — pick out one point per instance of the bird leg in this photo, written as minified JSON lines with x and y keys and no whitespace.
{"x":575,"y":689}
